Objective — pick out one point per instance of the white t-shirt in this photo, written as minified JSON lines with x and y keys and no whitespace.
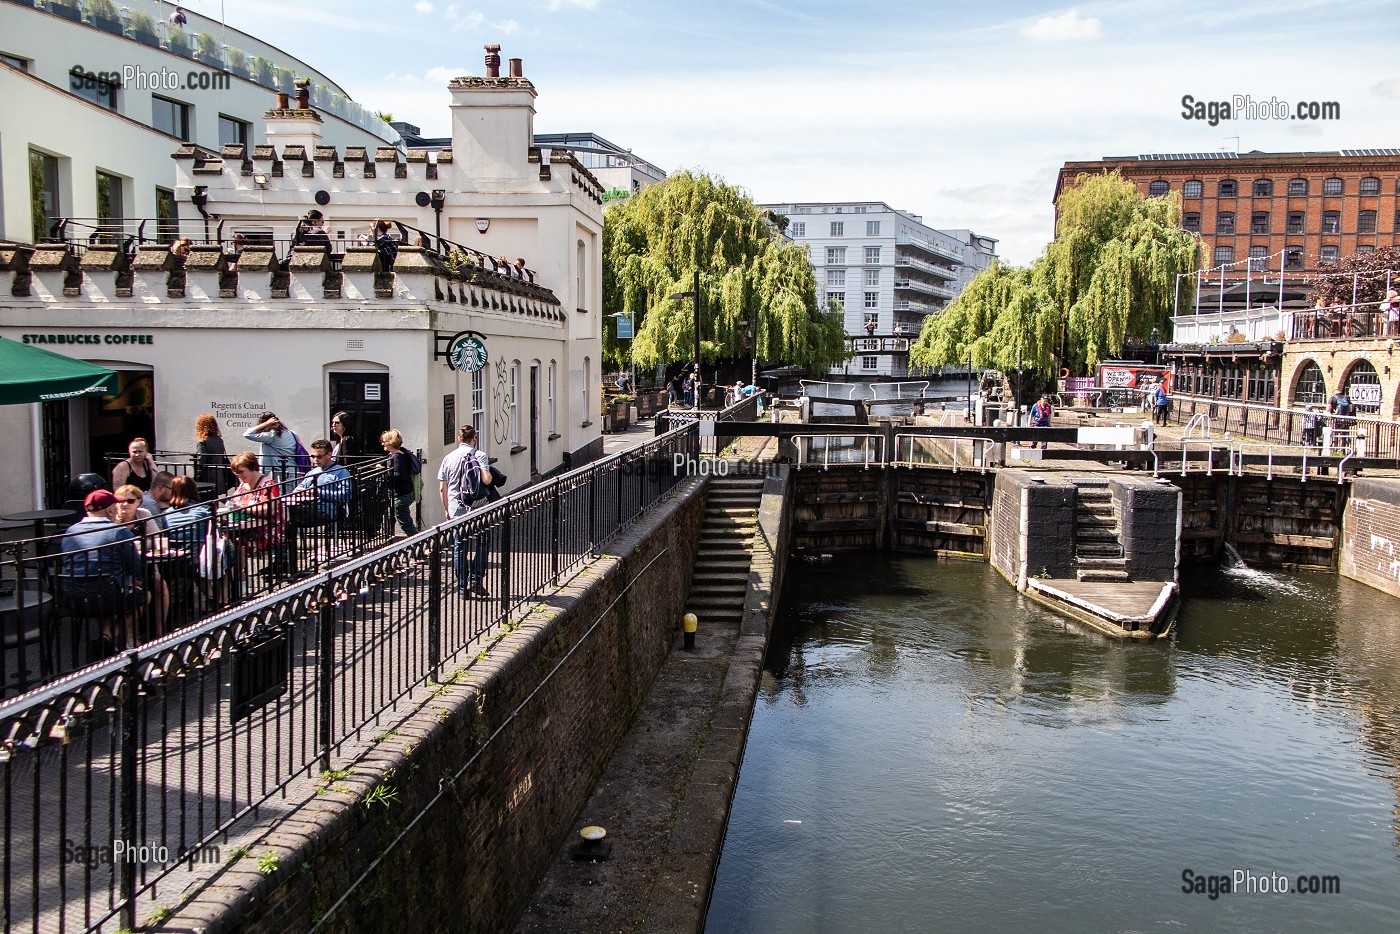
{"x":451,"y":471}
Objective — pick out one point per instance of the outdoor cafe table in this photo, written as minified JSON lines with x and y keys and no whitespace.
{"x":39,"y":517}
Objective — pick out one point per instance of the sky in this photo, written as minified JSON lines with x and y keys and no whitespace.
{"x":962,"y":113}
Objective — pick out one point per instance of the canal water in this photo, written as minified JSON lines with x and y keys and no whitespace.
{"x":932,"y":752}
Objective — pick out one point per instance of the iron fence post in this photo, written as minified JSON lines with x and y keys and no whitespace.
{"x":617,"y":468}
{"x":127,"y":869}
{"x":554,"y":499}
{"x":435,"y":605}
{"x":593,"y":511}
{"x":505,"y":563}
{"x":326,"y":622}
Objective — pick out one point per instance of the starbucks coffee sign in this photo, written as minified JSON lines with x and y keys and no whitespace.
{"x":467,"y":352}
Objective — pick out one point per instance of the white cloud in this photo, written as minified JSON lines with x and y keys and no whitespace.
{"x":423,"y":6}
{"x":451,"y":11}
{"x":1066,"y":27}
{"x":470,"y":21}
{"x":506,"y":26}
{"x":579,"y":4}
{"x":1388,"y":88}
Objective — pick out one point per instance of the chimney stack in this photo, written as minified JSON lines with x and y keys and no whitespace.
{"x":517,"y":68}
{"x":303,"y":86}
{"x":493,"y":61}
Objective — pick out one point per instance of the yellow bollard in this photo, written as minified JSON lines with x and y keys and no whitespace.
{"x":691,"y":623}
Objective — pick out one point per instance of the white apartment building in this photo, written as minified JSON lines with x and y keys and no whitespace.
{"x":886,"y":269}
{"x":99,"y":93}
{"x":307,"y":333}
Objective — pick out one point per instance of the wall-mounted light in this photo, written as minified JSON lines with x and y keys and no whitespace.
{"x":259,"y":181}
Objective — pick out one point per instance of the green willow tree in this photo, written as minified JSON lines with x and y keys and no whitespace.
{"x":653,"y":244}
{"x":1109,"y":274}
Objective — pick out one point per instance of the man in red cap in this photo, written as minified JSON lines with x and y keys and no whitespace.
{"x":103,"y":570}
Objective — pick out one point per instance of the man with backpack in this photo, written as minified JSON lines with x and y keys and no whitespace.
{"x":1161,"y":404}
{"x":463,"y":481}
{"x":1340,"y":408}
{"x":405,"y":479}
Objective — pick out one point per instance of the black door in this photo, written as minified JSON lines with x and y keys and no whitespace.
{"x":57,"y":454}
{"x":364,"y":398}
{"x":534,"y":419}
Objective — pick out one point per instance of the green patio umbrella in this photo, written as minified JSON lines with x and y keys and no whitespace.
{"x":32,"y":374}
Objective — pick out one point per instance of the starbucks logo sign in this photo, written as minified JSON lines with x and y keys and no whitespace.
{"x":467,"y":352}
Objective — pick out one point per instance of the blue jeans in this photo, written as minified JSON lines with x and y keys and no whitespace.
{"x":403,"y":511}
{"x":470,"y":571}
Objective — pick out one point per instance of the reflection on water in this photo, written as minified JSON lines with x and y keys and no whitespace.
{"x":932,"y":752}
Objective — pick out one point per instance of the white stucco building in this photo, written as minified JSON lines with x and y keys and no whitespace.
{"x":886,"y":268}
{"x":98,"y":94}
{"x":306,"y":334}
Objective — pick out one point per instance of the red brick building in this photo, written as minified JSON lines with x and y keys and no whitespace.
{"x":1308,"y":209}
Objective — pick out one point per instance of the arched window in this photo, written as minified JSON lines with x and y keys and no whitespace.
{"x":1297,"y":186}
{"x":1157,"y":189}
{"x":1370,"y":186}
{"x":1263,"y":188}
{"x":1192,"y":189}
{"x":1363,"y":385}
{"x":1332,"y":186}
{"x":1309,"y":388}
{"x":1227,"y":188}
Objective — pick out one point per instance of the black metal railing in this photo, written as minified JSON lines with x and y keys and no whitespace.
{"x":186,"y":741}
{"x":63,"y":607}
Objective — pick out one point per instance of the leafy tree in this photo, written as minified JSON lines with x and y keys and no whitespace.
{"x":1109,"y":274}
{"x":1369,"y":271}
{"x":655,"y":241}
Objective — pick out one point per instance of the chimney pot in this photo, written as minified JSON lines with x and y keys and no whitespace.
{"x":493,"y":61}
{"x":283,"y":102}
{"x":303,"y":86}
{"x":517,"y":68}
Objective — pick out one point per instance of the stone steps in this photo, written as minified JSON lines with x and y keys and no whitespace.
{"x":719,"y":582}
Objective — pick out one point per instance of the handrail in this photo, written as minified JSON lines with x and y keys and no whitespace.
{"x":866,"y":446}
{"x":972,"y":462}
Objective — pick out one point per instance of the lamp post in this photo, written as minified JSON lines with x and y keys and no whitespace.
{"x":695,"y":294}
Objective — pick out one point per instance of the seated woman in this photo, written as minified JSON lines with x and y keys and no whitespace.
{"x":148,"y":539}
{"x":253,"y":510}
{"x":190,"y":530}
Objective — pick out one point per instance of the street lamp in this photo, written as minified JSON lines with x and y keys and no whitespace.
{"x":629,"y":336}
{"x":695,"y":294}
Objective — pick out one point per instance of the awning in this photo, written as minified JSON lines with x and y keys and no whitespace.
{"x":32,"y":374}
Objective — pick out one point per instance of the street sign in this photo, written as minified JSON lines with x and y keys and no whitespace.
{"x":624,"y":328}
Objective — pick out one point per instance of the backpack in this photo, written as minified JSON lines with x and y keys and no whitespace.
{"x":300,"y":456}
{"x":415,"y":467}
{"x":469,"y":482}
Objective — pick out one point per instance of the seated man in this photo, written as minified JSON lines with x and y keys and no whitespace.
{"x":317,"y":500}
{"x":105,"y":570}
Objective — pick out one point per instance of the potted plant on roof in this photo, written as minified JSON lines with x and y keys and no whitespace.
{"x":263,"y":72}
{"x":178,"y":41}
{"x":103,"y":14}
{"x":143,"y":28}
{"x":68,"y":9}
{"x":283,"y":80}
{"x":206,"y":50}
{"x":238,"y":63}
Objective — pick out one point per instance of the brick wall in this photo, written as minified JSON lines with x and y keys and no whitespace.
{"x":1370,"y":550}
{"x":471,"y":861}
{"x":1049,"y":541}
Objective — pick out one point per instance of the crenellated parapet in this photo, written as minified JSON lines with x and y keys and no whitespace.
{"x":152,"y":277}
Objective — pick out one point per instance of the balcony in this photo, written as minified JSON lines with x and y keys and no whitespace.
{"x":926,"y":288}
{"x":928,"y":246}
{"x":1256,"y":324}
{"x":917,"y":308}
{"x":943,"y":272}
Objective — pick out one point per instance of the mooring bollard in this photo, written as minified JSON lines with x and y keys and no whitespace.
{"x":691,"y":623}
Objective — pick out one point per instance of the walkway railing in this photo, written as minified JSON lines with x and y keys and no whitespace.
{"x":1373,"y":437}
{"x":180,"y":742}
{"x":61,"y":610}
